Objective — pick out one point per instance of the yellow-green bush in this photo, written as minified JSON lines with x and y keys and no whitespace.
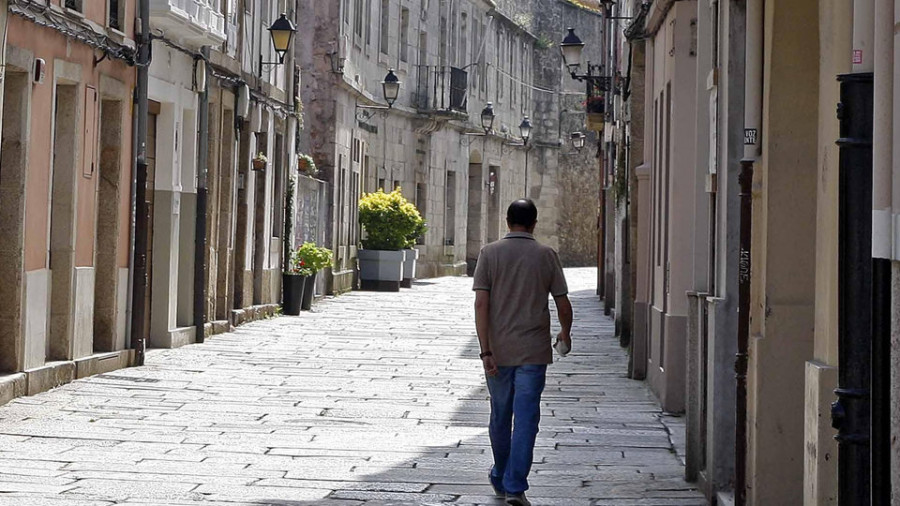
{"x":391,"y":222}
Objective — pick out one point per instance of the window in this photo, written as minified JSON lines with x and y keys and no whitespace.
{"x":442,"y":49}
{"x":482,"y":60}
{"x":75,"y":5}
{"x":368,"y":22}
{"x":115,"y":14}
{"x":385,"y":25}
{"x":404,"y":34}
{"x":463,"y":40}
{"x":498,"y":50}
{"x":358,"y":17}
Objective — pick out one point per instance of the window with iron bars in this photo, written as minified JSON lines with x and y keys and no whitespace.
{"x":114,"y":17}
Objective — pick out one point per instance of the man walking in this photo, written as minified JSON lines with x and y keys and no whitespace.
{"x":513,"y":279}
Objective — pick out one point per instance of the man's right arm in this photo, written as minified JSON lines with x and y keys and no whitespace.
{"x":483,"y":328}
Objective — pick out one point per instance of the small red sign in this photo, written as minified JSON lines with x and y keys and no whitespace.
{"x":857,"y":57}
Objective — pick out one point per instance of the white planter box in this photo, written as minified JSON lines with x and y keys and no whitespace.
{"x":381,"y":270}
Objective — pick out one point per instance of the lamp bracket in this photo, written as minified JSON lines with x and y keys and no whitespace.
{"x":366,"y":112}
{"x":594,"y":76}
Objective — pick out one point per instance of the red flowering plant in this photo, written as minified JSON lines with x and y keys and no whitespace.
{"x":309,"y":259}
{"x":594,"y":105}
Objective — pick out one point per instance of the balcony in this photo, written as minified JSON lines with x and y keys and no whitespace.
{"x":197,"y":22}
{"x":442,"y":90}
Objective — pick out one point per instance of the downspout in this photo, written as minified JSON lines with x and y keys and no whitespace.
{"x":200,"y":246}
{"x":895,"y":250}
{"x":139,"y":184}
{"x":882,"y":161}
{"x":753,"y":103}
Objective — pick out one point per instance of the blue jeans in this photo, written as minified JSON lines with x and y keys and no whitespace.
{"x":515,"y":416}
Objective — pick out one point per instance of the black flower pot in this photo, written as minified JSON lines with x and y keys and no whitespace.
{"x":292,"y":293}
{"x":309,"y":290}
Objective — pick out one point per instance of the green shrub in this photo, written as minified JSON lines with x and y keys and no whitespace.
{"x":391,"y":222}
{"x":309,"y":259}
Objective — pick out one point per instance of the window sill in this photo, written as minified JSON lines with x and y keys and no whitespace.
{"x":116,"y":35}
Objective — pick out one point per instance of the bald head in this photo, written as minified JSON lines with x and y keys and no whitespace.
{"x":522,"y":214}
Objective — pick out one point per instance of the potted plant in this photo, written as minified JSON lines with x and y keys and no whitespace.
{"x":293,"y":281}
{"x":313,"y":259}
{"x":388,"y":220}
{"x":307,"y":165}
{"x":412,"y":254}
{"x":260,"y":161}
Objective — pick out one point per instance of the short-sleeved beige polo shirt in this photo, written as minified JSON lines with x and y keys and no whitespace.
{"x":520,"y":273}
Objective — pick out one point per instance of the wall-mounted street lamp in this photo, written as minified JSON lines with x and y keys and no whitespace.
{"x":572,"y":48}
{"x":487,"y":118}
{"x":525,"y":130}
{"x":578,"y":140}
{"x":390,"y":90}
{"x":282,"y":32}
{"x":338,"y":60}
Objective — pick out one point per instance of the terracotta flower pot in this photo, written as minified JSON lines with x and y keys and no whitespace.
{"x":259,"y":164}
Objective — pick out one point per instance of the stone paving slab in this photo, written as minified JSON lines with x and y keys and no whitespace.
{"x":371,"y":399}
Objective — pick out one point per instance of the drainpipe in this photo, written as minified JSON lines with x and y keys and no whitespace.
{"x":140,"y":211}
{"x":882,"y":160}
{"x":753,"y":101}
{"x":895,"y":249}
{"x":200,"y":224}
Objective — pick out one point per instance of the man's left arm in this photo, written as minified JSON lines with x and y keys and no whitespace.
{"x":566,"y":315}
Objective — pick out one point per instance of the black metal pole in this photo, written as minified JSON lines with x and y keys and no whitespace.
{"x":526,"y":171}
{"x":880,"y":410}
{"x":743,"y":335}
{"x":851,"y":412}
{"x":200,"y":223}
{"x":141,"y":211}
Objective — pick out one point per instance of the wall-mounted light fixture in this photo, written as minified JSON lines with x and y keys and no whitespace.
{"x":390,"y":90}
{"x":282,"y":32}
{"x":525,"y":130}
{"x":487,"y":118}
{"x":578,"y":140}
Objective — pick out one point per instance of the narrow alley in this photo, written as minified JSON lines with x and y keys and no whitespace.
{"x":373,"y":398}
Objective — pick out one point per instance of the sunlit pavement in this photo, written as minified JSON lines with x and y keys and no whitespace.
{"x":371,"y":398}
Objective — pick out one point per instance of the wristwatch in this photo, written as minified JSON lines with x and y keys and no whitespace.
{"x":485,"y":354}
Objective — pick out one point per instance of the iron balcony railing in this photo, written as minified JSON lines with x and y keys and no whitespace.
{"x":442,"y":89}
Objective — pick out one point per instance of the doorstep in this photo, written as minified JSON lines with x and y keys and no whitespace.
{"x":49,"y":376}
{"x":101,"y":363}
{"x":12,"y":386}
{"x":725,"y":499}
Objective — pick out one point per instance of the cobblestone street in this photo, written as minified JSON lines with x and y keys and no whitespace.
{"x":374,"y":398}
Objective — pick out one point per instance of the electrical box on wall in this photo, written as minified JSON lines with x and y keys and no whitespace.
{"x":40,"y":70}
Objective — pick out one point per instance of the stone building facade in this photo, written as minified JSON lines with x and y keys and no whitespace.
{"x":218,"y":97}
{"x":452,"y":57}
{"x":64,"y":191}
{"x":203,"y":188}
{"x":769,"y":247}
